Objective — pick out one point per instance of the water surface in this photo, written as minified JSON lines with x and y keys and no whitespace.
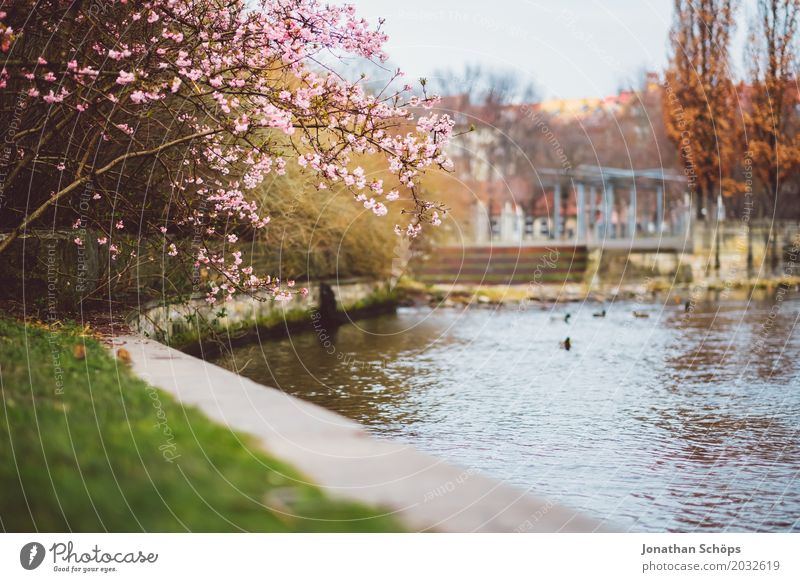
{"x":675,"y":422}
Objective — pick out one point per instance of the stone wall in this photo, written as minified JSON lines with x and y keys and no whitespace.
{"x":188,"y":321}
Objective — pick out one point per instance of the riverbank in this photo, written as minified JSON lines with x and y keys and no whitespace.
{"x":424,"y":493}
{"x":92,"y":447}
{"x":413,"y":293}
{"x":157,"y":440}
{"x":197,"y":328}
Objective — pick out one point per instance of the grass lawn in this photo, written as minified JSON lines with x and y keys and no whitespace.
{"x":83,"y":447}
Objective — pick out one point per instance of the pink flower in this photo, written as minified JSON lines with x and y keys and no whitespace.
{"x":78,"y":241}
{"x":102,"y":240}
{"x":120,"y":225}
{"x":241,"y":124}
{"x":138,"y":97}
{"x":124,"y":78}
{"x":53,"y":98}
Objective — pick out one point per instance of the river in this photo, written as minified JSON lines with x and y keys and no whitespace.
{"x":679,"y":421}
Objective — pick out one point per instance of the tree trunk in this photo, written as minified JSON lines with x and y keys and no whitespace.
{"x":701,"y":204}
{"x":774,"y":261}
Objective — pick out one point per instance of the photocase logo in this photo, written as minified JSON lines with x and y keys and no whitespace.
{"x":31,"y":555}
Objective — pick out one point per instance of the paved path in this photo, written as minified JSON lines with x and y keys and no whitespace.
{"x":338,"y":455}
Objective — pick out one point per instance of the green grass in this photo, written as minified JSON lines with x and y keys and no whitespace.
{"x":93,"y":457}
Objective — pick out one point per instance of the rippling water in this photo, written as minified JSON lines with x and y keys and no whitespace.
{"x":675,"y":422}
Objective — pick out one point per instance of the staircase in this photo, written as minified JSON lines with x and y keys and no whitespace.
{"x":503,"y":265}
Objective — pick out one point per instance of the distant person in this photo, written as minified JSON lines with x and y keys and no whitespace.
{"x":566,"y":344}
{"x":567,"y":318}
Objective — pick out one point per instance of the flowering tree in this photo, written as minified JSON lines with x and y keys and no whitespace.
{"x":160,"y":118}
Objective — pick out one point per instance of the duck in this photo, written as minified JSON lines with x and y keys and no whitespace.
{"x":567,"y":318}
{"x":599,"y":314}
{"x":566,"y":344}
{"x":641,"y":314}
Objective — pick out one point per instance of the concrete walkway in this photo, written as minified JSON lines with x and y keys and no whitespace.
{"x":339,"y":456}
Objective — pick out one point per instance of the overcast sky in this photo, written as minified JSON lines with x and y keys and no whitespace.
{"x":570,"y":48}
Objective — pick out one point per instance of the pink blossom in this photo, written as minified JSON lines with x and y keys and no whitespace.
{"x":124,"y":78}
{"x":138,"y":97}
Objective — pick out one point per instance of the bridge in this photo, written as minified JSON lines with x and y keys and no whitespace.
{"x":547,"y":237}
{"x":592,"y":206}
